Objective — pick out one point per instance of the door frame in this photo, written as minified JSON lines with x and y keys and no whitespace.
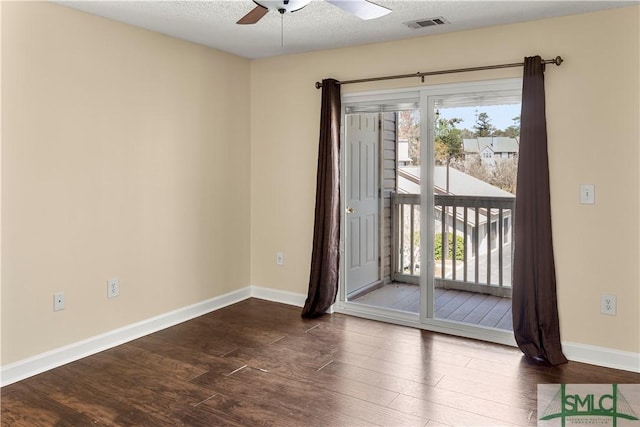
{"x":425,"y":97}
{"x":369,"y":102}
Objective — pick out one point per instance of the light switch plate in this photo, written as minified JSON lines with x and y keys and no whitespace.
{"x":587,"y":194}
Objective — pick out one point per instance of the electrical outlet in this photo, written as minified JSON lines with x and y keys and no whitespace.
{"x":608,"y":304}
{"x":58,"y":301}
{"x":113,"y":288}
{"x":279,"y":258}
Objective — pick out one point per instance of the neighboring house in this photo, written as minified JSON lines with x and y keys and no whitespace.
{"x":403,"y":152}
{"x":491,"y":147}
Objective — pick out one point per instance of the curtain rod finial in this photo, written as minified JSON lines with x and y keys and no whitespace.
{"x":558,"y":60}
{"x":318,"y":85}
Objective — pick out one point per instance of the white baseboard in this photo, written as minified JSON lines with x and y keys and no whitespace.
{"x":275,"y":295}
{"x":22,"y":369}
{"x":26,"y":368}
{"x":283,"y":297}
{"x":602,"y":356}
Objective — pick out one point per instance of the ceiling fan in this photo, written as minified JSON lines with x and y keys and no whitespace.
{"x":361,"y":8}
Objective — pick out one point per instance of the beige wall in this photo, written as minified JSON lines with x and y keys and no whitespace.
{"x":592,"y":112}
{"x":125,"y":154}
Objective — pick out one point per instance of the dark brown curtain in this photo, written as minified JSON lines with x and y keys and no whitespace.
{"x":325,"y":258}
{"x":535,"y":311}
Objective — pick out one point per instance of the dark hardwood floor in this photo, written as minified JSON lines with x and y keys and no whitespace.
{"x":258,"y":363}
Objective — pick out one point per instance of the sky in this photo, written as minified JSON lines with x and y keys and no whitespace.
{"x":500,"y":115}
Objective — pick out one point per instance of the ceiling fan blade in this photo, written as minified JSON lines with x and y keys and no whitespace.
{"x":361,"y":8}
{"x":253,"y":16}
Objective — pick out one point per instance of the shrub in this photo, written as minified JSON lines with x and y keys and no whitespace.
{"x":459,"y":247}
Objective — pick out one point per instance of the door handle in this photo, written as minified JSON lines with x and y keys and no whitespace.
{"x":350,"y":210}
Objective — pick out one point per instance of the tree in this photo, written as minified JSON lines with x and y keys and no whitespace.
{"x":448,"y":143}
{"x":472,"y":165}
{"x":504,"y":174}
{"x":483,"y":125}
{"x":512,"y":131}
{"x":466,"y":134}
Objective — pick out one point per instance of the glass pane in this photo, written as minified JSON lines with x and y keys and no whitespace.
{"x":475,"y":163}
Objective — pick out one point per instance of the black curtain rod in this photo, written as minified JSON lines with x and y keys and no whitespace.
{"x":557,"y":61}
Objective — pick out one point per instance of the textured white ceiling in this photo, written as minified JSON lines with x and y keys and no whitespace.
{"x":320,"y":25}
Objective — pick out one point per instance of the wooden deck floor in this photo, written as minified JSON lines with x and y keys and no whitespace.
{"x":258,"y":363}
{"x":460,"y":306}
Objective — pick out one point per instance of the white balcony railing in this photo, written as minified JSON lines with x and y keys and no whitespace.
{"x":474,"y":242}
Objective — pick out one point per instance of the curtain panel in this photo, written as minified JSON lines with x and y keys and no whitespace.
{"x":534,"y":304}
{"x":325,"y":257}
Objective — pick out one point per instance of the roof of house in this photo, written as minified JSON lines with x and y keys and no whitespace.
{"x":504,"y":144}
{"x":475,"y":145}
{"x":499,"y":144}
{"x":460,"y":183}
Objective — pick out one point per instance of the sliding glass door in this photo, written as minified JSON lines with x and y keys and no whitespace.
{"x":471,"y":197}
{"x":433,"y":247}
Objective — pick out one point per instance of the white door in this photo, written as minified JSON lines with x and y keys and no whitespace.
{"x":362,"y":201}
